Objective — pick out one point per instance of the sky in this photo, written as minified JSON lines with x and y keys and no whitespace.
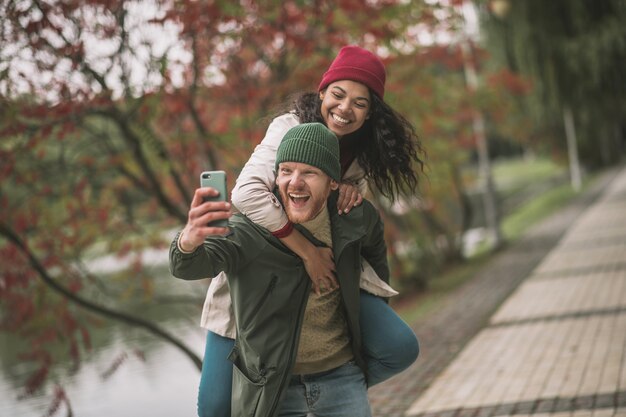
{"x":145,"y":39}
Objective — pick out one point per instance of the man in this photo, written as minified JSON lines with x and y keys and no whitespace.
{"x":296,"y":352}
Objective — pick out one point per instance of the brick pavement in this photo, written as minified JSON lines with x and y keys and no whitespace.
{"x":541,"y":329}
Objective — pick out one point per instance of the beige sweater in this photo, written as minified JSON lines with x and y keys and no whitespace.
{"x":324,"y":340}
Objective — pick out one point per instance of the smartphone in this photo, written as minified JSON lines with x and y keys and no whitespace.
{"x":217,"y":180}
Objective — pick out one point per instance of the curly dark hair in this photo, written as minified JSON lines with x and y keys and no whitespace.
{"x":388,"y":150}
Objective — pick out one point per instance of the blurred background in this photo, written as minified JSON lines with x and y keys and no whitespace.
{"x":110,"y":109}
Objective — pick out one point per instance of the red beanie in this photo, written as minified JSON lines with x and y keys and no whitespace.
{"x":356,"y":64}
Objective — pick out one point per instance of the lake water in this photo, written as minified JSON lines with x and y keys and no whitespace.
{"x":163,"y":383}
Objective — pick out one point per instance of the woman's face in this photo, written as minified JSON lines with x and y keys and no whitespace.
{"x":345,"y":106}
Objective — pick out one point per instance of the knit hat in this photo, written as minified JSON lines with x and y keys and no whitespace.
{"x":312,"y":144}
{"x":356,"y":64}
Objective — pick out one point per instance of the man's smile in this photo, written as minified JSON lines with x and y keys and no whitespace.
{"x":299,"y":199}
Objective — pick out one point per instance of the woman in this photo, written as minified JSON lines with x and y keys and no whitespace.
{"x":377,"y":145}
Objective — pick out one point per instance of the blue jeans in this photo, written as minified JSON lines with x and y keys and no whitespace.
{"x":389,"y":345}
{"x":216,"y":379}
{"x":341,"y":392}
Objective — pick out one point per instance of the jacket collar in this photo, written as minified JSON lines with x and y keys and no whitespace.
{"x":346,"y":227}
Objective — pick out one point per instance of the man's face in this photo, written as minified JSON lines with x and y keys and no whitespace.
{"x":304,"y":190}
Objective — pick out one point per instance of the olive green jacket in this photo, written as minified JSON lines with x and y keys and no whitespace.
{"x":270,"y":288}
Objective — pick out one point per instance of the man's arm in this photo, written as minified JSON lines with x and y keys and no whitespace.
{"x":188,"y":258}
{"x":189,"y":265}
{"x":216,"y":254}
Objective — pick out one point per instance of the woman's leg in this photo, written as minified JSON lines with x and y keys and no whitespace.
{"x":390,"y":344}
{"x":217,"y":377}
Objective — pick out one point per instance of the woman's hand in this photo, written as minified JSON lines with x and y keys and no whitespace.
{"x":318,"y":261}
{"x":349,"y":197}
{"x":320,"y":266}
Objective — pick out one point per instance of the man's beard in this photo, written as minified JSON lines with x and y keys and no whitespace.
{"x":308,"y":211}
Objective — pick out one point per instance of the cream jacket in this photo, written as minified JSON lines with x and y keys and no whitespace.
{"x":252,"y":196}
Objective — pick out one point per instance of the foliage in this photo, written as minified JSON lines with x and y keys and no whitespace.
{"x":429,"y":87}
{"x":107,"y":120}
{"x":575,"y":54}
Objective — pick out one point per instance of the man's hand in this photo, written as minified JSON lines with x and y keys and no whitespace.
{"x":200,"y":214}
{"x":349,"y":197}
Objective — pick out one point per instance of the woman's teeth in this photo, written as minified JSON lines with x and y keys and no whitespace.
{"x":340,"y":119}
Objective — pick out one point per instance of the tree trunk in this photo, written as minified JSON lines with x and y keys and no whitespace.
{"x":572,"y":148}
{"x":484,"y":163}
{"x":109,"y":313}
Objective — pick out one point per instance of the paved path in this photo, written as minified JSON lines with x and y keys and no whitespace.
{"x":541,"y":330}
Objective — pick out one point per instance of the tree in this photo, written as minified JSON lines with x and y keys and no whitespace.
{"x":575,"y":54}
{"x":105,"y":127}
{"x":428,"y":85}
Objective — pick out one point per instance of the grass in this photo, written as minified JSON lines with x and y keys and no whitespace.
{"x":513,"y":173}
{"x":514,"y":225}
{"x":415,"y":306}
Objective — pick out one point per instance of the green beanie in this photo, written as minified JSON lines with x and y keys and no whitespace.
{"x":312,"y":144}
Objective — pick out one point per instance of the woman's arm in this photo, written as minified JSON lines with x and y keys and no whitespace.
{"x":252,"y":196}
{"x":353,"y":188}
{"x":253,"y":192}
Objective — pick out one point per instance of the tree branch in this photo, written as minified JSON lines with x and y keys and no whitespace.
{"x":88,"y":305}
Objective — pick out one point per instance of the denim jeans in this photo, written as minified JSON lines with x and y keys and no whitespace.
{"x":341,"y":392}
{"x":216,"y":379}
{"x":389,"y":345}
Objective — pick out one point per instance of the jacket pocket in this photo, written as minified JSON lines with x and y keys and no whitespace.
{"x":247,"y":391}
